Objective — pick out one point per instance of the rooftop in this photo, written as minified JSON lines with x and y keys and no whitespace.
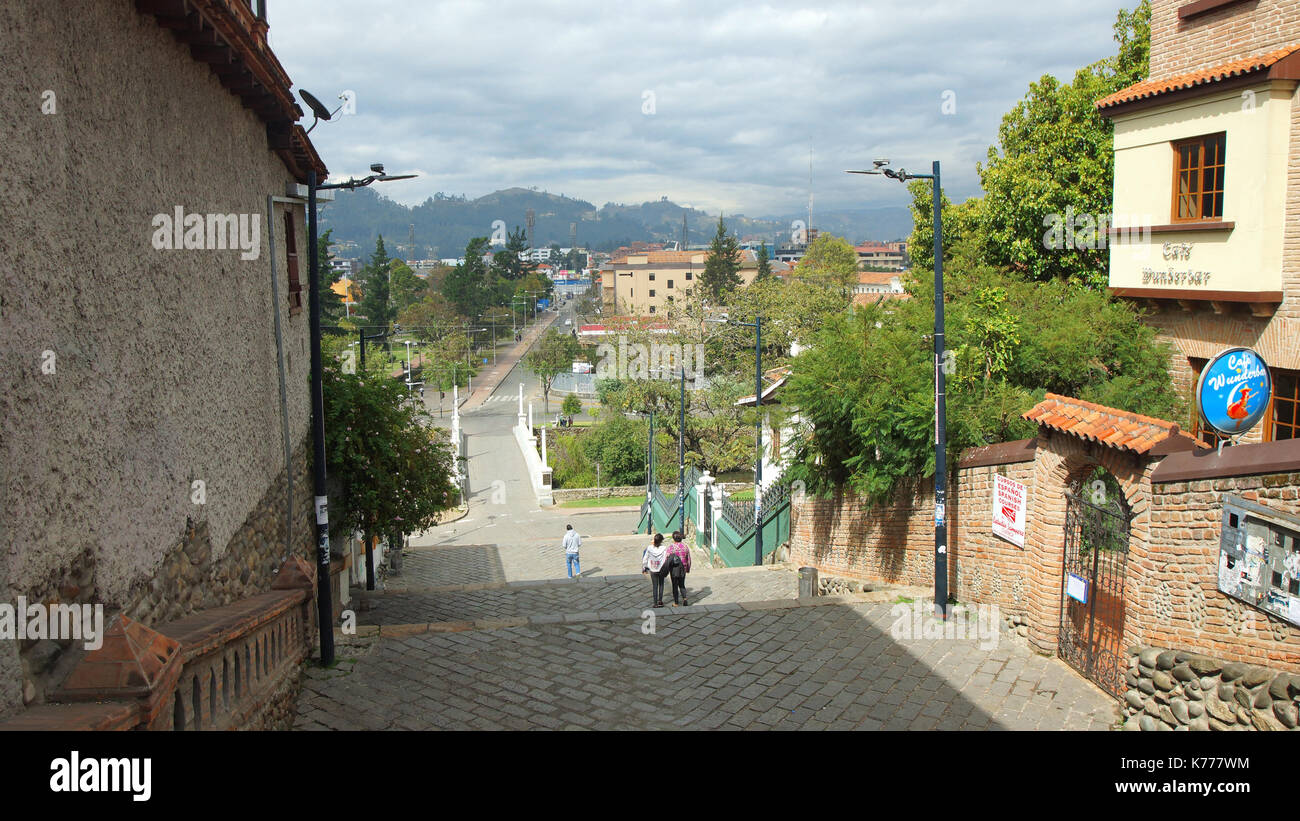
{"x":1283,"y":64}
{"x":1112,"y":427}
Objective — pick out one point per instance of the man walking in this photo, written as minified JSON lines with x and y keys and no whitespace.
{"x":572,"y":541}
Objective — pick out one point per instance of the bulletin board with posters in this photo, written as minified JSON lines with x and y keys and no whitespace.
{"x":1259,"y":558}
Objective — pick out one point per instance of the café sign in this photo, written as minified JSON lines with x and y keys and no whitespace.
{"x":1234,"y":391}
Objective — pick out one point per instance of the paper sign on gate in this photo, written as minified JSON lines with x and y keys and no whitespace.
{"x":1009,"y":500}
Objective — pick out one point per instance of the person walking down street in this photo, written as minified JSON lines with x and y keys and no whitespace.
{"x":654,"y":561}
{"x":679,"y":564}
{"x":572,"y":541}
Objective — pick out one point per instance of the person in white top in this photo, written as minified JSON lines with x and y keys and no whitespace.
{"x":655,"y":562}
{"x":572,"y":541}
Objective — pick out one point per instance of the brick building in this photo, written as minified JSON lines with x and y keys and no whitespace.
{"x":1207,"y":153}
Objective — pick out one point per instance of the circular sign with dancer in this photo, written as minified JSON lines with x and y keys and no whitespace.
{"x":1234,"y":390}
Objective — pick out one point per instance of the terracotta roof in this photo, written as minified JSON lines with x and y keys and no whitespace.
{"x":1109,"y":426}
{"x":1274,"y":61}
{"x":872,"y":297}
{"x":877,"y":277}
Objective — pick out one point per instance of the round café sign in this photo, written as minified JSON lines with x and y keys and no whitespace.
{"x":1234,"y":390}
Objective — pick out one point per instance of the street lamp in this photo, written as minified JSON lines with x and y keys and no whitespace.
{"x":940,"y":398}
{"x":324,"y":604}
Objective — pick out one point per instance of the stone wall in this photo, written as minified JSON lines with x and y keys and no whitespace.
{"x":577,"y":493}
{"x":1178,"y":690}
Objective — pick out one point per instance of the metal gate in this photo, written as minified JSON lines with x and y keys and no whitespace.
{"x":1092,"y":591}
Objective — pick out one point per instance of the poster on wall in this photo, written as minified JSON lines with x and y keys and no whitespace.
{"x":1009,"y":499}
{"x":1259,"y":558}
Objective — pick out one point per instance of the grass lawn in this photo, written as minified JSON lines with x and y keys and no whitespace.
{"x":743,"y":495}
{"x":613,"y":501}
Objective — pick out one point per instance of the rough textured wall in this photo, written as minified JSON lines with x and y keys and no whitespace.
{"x":1176,"y":595}
{"x":1237,"y":30}
{"x":164,"y":361}
{"x":989,"y":569}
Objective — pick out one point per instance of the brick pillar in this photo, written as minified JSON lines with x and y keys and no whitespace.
{"x":1045,"y":543}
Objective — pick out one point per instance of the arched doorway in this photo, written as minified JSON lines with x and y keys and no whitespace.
{"x":1091,"y":635}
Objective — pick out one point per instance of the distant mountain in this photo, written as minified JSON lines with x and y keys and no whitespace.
{"x":445,"y":224}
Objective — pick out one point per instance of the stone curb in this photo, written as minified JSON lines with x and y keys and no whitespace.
{"x":524,"y":584}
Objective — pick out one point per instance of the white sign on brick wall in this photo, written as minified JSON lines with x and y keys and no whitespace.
{"x":1009,"y":499}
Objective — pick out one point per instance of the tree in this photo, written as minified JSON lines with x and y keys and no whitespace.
{"x":1054,"y":162}
{"x":721,"y":272}
{"x":406,"y":288}
{"x":433,"y":311}
{"x":374,"y":288}
{"x":551,"y":356}
{"x":829,"y":262}
{"x":764,"y":266}
{"x":866,"y":388}
{"x":571,"y":406}
{"x":464,"y":285}
{"x":507,"y":264}
{"x":396,"y":474}
{"x":332,"y":308}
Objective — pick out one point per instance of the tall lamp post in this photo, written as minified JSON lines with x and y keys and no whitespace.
{"x":324,"y":603}
{"x":940,"y":386}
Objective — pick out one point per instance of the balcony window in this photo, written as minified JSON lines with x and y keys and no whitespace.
{"x":1198,"y":179}
{"x":1283,"y":419}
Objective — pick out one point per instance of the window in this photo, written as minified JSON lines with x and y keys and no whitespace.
{"x":652,"y":277}
{"x":652,"y":309}
{"x":652,"y":293}
{"x":670,"y":284}
{"x":291,"y":250}
{"x":1283,"y":419}
{"x":1198,"y":179}
{"x":688,"y":276}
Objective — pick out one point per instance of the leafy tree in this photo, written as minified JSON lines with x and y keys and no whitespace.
{"x":375,"y":288}
{"x":506,"y":263}
{"x":866,"y":387}
{"x":464,"y":286}
{"x":764,"y":265}
{"x":617,"y":444}
{"x":332,"y":308}
{"x":1055,"y":159}
{"x":395,"y":473}
{"x":721,"y":272}
{"x":830,"y":262}
{"x":434,"y":311}
{"x":553,"y":355}
{"x":407,"y":288}
{"x":571,"y":406}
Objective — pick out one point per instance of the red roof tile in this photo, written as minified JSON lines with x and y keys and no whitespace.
{"x":1237,"y":68}
{"x":1109,"y":426}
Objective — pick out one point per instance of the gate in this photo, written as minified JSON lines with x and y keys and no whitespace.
{"x":1092,"y":591}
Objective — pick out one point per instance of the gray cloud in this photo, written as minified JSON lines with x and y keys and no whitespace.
{"x":480,"y":96}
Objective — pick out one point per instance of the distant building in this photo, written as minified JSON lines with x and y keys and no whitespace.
{"x":888,"y":255}
{"x":643,"y":284}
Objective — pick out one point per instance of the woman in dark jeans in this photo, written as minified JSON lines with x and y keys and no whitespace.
{"x":679,"y":564}
{"x":654,"y":562}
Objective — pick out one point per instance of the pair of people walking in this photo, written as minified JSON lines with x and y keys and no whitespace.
{"x":671,"y":561}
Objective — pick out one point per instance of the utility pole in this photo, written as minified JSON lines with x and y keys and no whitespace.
{"x":324,"y":600}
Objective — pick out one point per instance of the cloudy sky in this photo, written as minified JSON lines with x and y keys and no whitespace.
{"x":711,"y":103}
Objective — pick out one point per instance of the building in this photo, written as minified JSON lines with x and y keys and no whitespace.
{"x":156,"y":456}
{"x":1207,"y":158}
{"x":646,"y":283}
{"x":890,"y":256}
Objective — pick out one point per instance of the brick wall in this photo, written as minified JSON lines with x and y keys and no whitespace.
{"x":1237,"y":30}
{"x":1175,"y":601}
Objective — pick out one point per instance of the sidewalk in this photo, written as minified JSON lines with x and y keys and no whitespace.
{"x":491,"y":378}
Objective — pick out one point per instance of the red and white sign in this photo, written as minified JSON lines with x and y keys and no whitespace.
{"x":1009,"y":500}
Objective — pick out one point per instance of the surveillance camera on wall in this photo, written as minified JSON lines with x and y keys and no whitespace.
{"x":378,"y":167}
{"x":878,"y":163}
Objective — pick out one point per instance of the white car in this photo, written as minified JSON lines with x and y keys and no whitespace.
{"x":568,"y":322}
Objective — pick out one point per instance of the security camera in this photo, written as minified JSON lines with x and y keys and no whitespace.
{"x":880,"y":162}
{"x":377,"y":167}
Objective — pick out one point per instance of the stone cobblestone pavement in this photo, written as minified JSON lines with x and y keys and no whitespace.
{"x":597,"y":593}
{"x":775,"y":665}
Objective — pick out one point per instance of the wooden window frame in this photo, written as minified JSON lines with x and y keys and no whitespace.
{"x":1200,"y":430}
{"x":1270,"y":431}
{"x":1200,"y":142}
